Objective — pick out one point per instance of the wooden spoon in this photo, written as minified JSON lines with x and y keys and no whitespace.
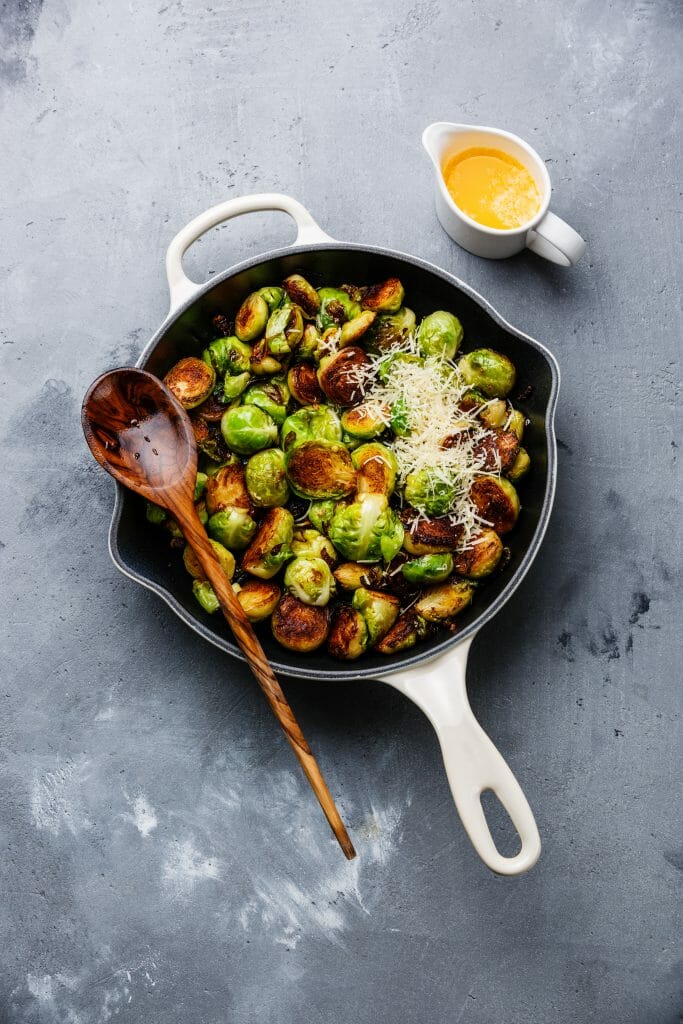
{"x":140,"y":433}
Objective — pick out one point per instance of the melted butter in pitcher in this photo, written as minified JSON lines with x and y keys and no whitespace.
{"x":492,"y":187}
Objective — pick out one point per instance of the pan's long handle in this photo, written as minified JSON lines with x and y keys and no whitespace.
{"x":180,"y":286}
{"x":473,"y":764}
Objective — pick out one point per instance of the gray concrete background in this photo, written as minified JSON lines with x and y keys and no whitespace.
{"x":161,"y":859}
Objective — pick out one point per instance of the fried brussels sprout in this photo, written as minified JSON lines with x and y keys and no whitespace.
{"x":496,"y":450}
{"x":340,"y":375}
{"x":234,"y":386}
{"x":320,"y":469}
{"x":271,"y":547}
{"x":365,"y":421}
{"x":273,"y":295}
{"x":258,"y":598}
{"x":445,"y":601}
{"x":228,"y":356}
{"x":303,"y":384}
{"x":211,"y":468}
{"x":284,"y":330}
{"x":302,"y":293}
{"x":348,"y":637}
{"x":377,"y":468}
{"x":428,"y":569}
{"x":265,"y":478}
{"x":430,"y":536}
{"x":390,"y":329}
{"x":494,"y":413}
{"x":310,"y":580}
{"x":516,"y":423}
{"x":429,"y":493}
{"x":320,"y":513}
{"x":247,"y":429}
{"x":311,"y":423}
{"x":310,"y":542}
{"x":252,"y":317}
{"x":496,"y":502}
{"x":336,"y":306}
{"x":366,"y":531}
{"x":440,"y":334}
{"x":351,"y":575}
{"x":232,"y":527}
{"x":405,"y":632}
{"x":298,"y":626}
{"x":262,"y":363}
{"x":191,"y":381}
{"x":380,"y":611}
{"x":392,"y":362}
{"x":354,"y":329}
{"x":208,"y":438}
{"x":386,"y":297}
{"x":491,"y":372}
{"x":227,"y":489}
{"x":200,"y":485}
{"x":204,"y":593}
{"x":481,"y":557}
{"x":225,"y":557}
{"x":309,"y":346}
{"x":155,"y":514}
{"x":271,"y":396}
{"x":520,"y":467}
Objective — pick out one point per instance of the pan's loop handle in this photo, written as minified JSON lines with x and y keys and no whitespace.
{"x":473,"y":765}
{"x":180,"y":286}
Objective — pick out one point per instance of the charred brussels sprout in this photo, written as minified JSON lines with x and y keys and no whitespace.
{"x":340,"y":375}
{"x":491,"y":372}
{"x":284,"y":330}
{"x":258,"y":598}
{"x":247,"y":429}
{"x":379,"y":610}
{"x":302,"y":293}
{"x":428,"y":569}
{"x":298,"y":626}
{"x":496,"y":451}
{"x":366,"y":531}
{"x":311,"y":423}
{"x":336,"y":306}
{"x":440,"y":334}
{"x":516,"y":423}
{"x":265,"y":478}
{"x":232,"y":527}
{"x":520,"y":467}
{"x":303,"y":384}
{"x":310,"y":580}
{"x":365,"y":421}
{"x":351,"y":575}
{"x":430,"y":536}
{"x":445,"y":601}
{"x":390,"y":329}
{"x":262,"y":363}
{"x":354,"y":329}
{"x":225,"y":557}
{"x":228,"y":356}
{"x":405,"y":632}
{"x":481,"y":557}
{"x":320,"y":513}
{"x":204,"y":593}
{"x":309,"y":347}
{"x":271,"y":396}
{"x":271,"y":547}
{"x":310,"y":542}
{"x":428,"y":493}
{"x":496,"y":501}
{"x":208,"y":438}
{"x":377,"y":468}
{"x":252,"y":317}
{"x":227,"y":489}
{"x":494,"y":413}
{"x":273,"y":295}
{"x":348,"y":637}
{"x":191,"y":381}
{"x":320,"y":469}
{"x":386,"y":297}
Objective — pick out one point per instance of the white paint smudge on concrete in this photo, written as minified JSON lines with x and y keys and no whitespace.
{"x":57,"y":798}
{"x":185,"y":867}
{"x":144,"y":815}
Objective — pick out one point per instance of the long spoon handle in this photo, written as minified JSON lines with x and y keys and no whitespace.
{"x":246,"y":637}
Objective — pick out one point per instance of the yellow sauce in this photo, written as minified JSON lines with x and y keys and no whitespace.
{"x":491,"y":187}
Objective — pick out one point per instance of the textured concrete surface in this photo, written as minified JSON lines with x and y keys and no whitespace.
{"x":160,"y":858}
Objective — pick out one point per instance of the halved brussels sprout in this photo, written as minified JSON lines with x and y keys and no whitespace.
{"x":365,"y":421}
{"x":320,"y":513}
{"x":258,"y":598}
{"x":252,"y":317}
{"x":266,"y":481}
{"x":284,"y":330}
{"x":516,"y":423}
{"x":208,"y":438}
{"x":225,"y":557}
{"x":440,"y":334}
{"x":496,"y":451}
{"x":351,"y":575}
{"x":309,"y":347}
{"x":489,"y":371}
{"x":427,"y":492}
{"x":155,"y":514}
{"x":386,"y":297}
{"x":211,"y":468}
{"x":336,"y":306}
{"x":320,"y":469}
{"x":390,"y":329}
{"x":232,"y":527}
{"x":228,"y":356}
{"x":494,"y":413}
{"x":428,"y":568}
{"x":481,"y":557}
{"x":234,"y":386}
{"x":271,"y":547}
{"x":247,"y":429}
{"x":298,"y":626}
{"x":273,"y":295}
{"x":430,"y":536}
{"x":445,"y":601}
{"x":227,"y":489}
{"x":303,"y":384}
{"x":380,"y":611}
{"x":271,"y":396}
{"x":520,"y":467}
{"x":354,"y":329}
{"x":340,"y":375}
{"x":496,"y":502}
{"x":310,"y":542}
{"x":204,"y":593}
{"x":366,"y":531}
{"x":262,"y":363}
{"x":405,"y":632}
{"x":390,"y":363}
{"x":377,"y":468}
{"x":302,"y":293}
{"x":472,"y":398}
{"x":311,"y":423}
{"x":310,"y":580}
{"x":348,"y":637}
{"x":191,"y":381}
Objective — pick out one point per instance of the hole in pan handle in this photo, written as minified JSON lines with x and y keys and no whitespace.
{"x":473,"y":765}
{"x":180,"y":286}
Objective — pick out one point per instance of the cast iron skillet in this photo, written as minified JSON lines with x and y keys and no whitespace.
{"x":432,"y":674}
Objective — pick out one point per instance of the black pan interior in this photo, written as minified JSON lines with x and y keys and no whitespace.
{"x":142,"y":550}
